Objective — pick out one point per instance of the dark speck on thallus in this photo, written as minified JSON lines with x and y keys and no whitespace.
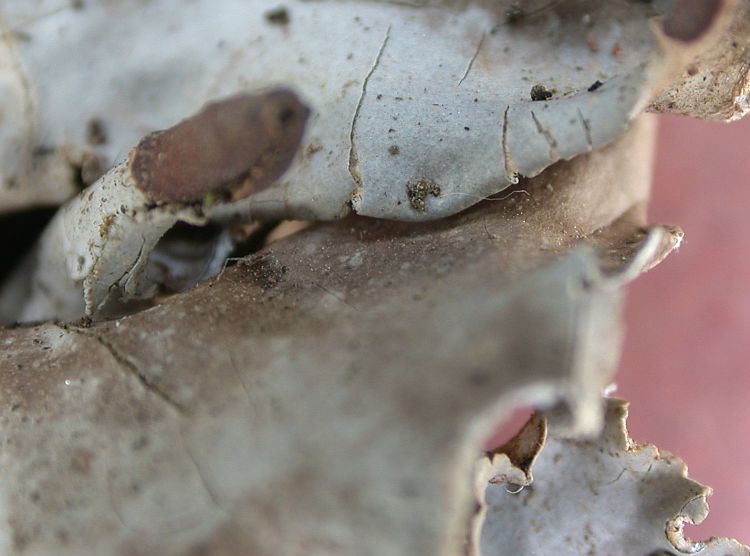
{"x":540,"y":92}
{"x":595,"y":85}
{"x":96,"y":134}
{"x":514,"y":14}
{"x":278,"y":16}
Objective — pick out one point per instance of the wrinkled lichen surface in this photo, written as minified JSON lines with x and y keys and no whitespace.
{"x":331,"y":393}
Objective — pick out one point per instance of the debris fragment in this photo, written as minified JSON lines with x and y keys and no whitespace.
{"x":540,"y":92}
{"x":96,"y":133}
{"x":418,"y":191}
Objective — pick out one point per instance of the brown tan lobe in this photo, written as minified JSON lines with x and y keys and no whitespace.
{"x":691,"y":19}
{"x":231,"y":148}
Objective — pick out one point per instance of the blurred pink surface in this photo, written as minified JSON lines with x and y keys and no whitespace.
{"x":686,"y":364}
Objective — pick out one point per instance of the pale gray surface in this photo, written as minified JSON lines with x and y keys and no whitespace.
{"x":448,"y":85}
{"x":604,"y":496}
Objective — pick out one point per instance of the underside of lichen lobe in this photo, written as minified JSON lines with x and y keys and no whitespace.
{"x":232,"y":148}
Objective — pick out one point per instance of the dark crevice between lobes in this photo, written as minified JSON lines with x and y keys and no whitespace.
{"x":229,"y":150}
{"x":24,"y":228}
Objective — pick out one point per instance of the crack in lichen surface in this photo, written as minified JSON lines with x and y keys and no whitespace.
{"x":212,"y":495}
{"x":586,"y":128}
{"x":332,"y":294}
{"x":510,"y":173}
{"x":353,"y":158}
{"x":472,"y":59}
{"x":131,"y":369}
{"x":118,"y":282}
{"x":88,"y":286}
{"x":551,"y":141}
{"x":235,"y":368}
{"x":147,"y":383}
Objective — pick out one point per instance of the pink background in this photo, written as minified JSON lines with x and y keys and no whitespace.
{"x":687,"y":352}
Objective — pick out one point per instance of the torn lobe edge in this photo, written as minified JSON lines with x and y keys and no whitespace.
{"x":516,"y":458}
{"x":694,"y":510}
{"x":512,"y":463}
{"x":509,"y":464}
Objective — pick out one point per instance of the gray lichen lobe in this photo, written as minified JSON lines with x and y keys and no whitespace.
{"x":418,"y":191}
